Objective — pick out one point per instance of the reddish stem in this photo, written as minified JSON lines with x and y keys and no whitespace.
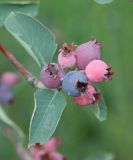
{"x":32,"y":80}
{"x":19,"y":66}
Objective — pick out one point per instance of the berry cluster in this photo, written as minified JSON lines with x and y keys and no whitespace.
{"x":7,"y":79}
{"x":76,"y":71}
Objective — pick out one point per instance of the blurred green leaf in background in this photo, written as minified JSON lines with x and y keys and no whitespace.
{"x":27,"y":7}
{"x":7,"y":126}
{"x":103,"y":1}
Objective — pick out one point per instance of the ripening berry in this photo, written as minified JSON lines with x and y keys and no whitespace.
{"x":9,"y":78}
{"x":47,"y":151}
{"x":52,"y":144}
{"x":51,"y":75}
{"x":98,"y":71}
{"x":56,"y":156}
{"x":6,"y":94}
{"x":90,"y":96}
{"x":66,"y":57}
{"x":74,"y":82}
{"x":87,"y":52}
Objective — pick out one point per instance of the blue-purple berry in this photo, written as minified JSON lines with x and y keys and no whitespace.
{"x":6,"y":94}
{"x":74,"y":83}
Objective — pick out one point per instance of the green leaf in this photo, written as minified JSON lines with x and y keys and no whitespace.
{"x":101,"y":110}
{"x":27,"y":7}
{"x":103,"y":1}
{"x":9,"y":127}
{"x":33,"y":36}
{"x":49,"y":106}
{"x":19,"y":1}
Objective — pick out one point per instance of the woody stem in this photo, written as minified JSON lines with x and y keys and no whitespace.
{"x":31,"y":79}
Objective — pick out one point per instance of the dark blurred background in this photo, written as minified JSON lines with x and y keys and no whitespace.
{"x":82,"y":134}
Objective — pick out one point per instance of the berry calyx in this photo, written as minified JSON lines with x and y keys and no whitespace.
{"x":66,"y":50}
{"x":66,"y":57}
{"x":51,"y":75}
{"x":89,"y":97}
{"x":98,"y":71}
{"x":87,"y":52}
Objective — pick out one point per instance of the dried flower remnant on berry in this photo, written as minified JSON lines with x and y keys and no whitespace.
{"x":51,"y":75}
{"x":66,"y":50}
{"x":66,"y":57}
{"x":109,"y":73}
{"x":82,"y":86}
{"x":89,"y":97}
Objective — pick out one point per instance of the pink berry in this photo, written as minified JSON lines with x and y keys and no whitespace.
{"x":37,"y":152}
{"x":47,"y":150}
{"x":56,"y":156}
{"x":9,"y":78}
{"x":51,"y":75}
{"x":52,"y":144}
{"x":98,"y":71}
{"x":90,"y":96}
{"x":87,"y":52}
{"x":66,"y":57}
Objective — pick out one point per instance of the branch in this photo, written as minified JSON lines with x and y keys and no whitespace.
{"x":31,"y":79}
{"x":18,"y":146}
{"x":22,"y":152}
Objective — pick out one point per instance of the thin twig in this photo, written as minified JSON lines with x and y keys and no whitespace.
{"x":31,"y":79}
{"x":22,"y":152}
{"x":18,"y":145}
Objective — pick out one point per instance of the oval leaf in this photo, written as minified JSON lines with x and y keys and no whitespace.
{"x":103,"y":1}
{"x":49,"y":106}
{"x":8,"y":126}
{"x":33,"y":36}
{"x":29,"y":8}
